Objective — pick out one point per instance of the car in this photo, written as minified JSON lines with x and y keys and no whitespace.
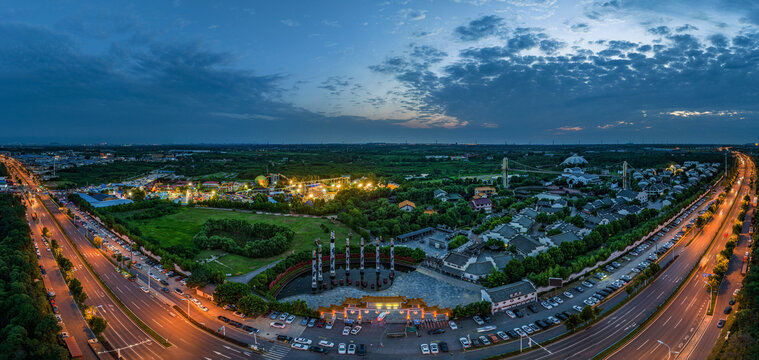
{"x":178,"y":291}
{"x":542,"y":324}
{"x":484,"y":340}
{"x":728,"y":309}
{"x":304,"y":322}
{"x":352,"y":349}
{"x":276,"y":324}
{"x":510,"y":314}
{"x":561,"y":316}
{"x":164,"y":282}
{"x":317,"y":349}
{"x":64,"y":335}
{"x":546,"y":305}
{"x":453,"y":325}
{"x":735,"y":292}
{"x":355,"y":330}
{"x":326,"y":343}
{"x":58,"y":317}
{"x":289,"y":320}
{"x":465,"y":343}
{"x":732,"y":301}
{"x":274,"y":315}
{"x":250,"y":329}
{"x":502,"y":335}
{"x":436,"y":331}
{"x":144,"y":289}
{"x":555,"y":320}
{"x":443,"y":346}
{"x":361,"y":350}
{"x":534,"y":327}
{"x":568,"y":294}
{"x":298,"y":346}
{"x":577,"y":307}
{"x":236,"y":324}
{"x":518,"y":313}
{"x":587,"y":284}
{"x":241,"y":315}
{"x":223,"y":318}
{"x":579,"y":289}
{"x":346,"y":330}
{"x":553,"y":303}
{"x":425,"y":349}
{"x":558,"y":300}
{"x":303,"y":341}
{"x":283,"y":316}
{"x":527,"y":329}
{"x":721,"y":323}
{"x":478,"y":320}
{"x":341,"y":349}
{"x":533,"y":308}
{"x":476,"y":342}
{"x":311,"y":322}
{"x":284,"y":338}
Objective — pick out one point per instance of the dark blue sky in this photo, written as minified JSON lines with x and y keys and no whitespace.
{"x":483,"y":71}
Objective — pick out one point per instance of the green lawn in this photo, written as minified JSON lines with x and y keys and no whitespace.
{"x":179,"y":228}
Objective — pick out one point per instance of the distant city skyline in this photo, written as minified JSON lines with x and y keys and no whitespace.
{"x":416,"y":71}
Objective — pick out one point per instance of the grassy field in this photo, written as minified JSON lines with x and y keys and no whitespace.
{"x":179,"y":228}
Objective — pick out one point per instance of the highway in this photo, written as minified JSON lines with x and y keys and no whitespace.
{"x":682,"y":318}
{"x":188,"y":341}
{"x":73,"y":321}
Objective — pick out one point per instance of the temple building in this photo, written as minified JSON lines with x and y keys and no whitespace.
{"x":388,"y":309}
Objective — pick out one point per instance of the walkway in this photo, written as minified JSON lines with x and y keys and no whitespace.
{"x":244,"y":278}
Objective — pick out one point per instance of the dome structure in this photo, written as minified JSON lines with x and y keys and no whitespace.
{"x":574,"y":160}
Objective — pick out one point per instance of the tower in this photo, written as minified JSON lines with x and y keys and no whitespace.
{"x":392,"y":257}
{"x":332,"y":255}
{"x":362,"y":256}
{"x":319,"y":261}
{"x":376,"y":257}
{"x":347,"y":254}
{"x":313,"y":269}
{"x":624,"y":175}
{"x":505,"y":172}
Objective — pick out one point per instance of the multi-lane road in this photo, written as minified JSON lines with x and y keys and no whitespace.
{"x":684,"y":325}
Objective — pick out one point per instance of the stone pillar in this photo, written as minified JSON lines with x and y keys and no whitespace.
{"x":319,"y":261}
{"x":362,"y":255}
{"x":392,"y":256}
{"x":332,"y":255}
{"x":377,"y":257}
{"x":347,"y":254}
{"x":313,"y":269}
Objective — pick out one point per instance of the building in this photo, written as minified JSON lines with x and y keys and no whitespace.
{"x":630,"y":195}
{"x":206,"y":291}
{"x":510,"y":295}
{"x":481,"y":204}
{"x":478,"y":270}
{"x":396,"y":309}
{"x":526,"y":246}
{"x":574,"y":160}
{"x":107,"y":200}
{"x":407,"y":206}
{"x":484,"y":191}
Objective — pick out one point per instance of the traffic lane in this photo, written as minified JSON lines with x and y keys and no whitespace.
{"x":682,"y":307}
{"x":121,"y":331}
{"x":147,"y":307}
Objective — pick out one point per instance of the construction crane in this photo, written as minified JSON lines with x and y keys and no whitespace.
{"x":505,"y":169}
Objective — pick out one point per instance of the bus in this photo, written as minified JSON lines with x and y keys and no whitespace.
{"x":76,"y":353}
{"x":486,"y":328}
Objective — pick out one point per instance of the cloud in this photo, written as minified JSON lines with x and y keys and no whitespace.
{"x":290,"y":22}
{"x":490,"y":125}
{"x":569,"y":128}
{"x":479,"y":28}
{"x":580,"y":27}
{"x":687,"y":113}
{"x":413,"y":14}
{"x":616,"y":124}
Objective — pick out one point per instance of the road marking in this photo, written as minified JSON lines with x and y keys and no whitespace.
{"x":678,"y":323}
{"x":665,"y":323}
{"x":156,"y":321}
{"x":233,"y":349}
{"x":642,"y":345}
{"x":220,"y":354}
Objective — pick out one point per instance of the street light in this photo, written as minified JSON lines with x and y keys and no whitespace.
{"x":669,"y":349}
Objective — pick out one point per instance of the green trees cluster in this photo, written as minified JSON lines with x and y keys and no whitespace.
{"x":28,"y":329}
{"x":248,"y":303}
{"x":457,"y":241}
{"x":244,"y":238}
{"x":588,"y":313}
{"x":569,"y":257}
{"x":642,"y":278}
{"x":203,"y":275}
{"x":475,"y":308}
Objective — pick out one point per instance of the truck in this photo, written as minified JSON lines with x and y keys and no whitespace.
{"x":76,"y":353}
{"x":34,"y":217}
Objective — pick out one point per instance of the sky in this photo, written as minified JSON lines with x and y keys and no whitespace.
{"x":353,"y":71}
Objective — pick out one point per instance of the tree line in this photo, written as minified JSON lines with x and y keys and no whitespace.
{"x":240,"y":237}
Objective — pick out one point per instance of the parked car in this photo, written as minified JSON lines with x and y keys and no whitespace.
{"x":342,"y":349}
{"x":453,"y":325}
{"x":478,"y":320}
{"x":355,"y":330}
{"x":276,"y":324}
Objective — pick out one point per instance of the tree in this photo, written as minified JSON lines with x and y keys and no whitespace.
{"x":98,"y":325}
{"x":45,"y":231}
{"x":97,"y":241}
{"x":572,"y":322}
{"x":252,"y":304}
{"x":77,"y":291}
{"x":495,"y":244}
{"x":230,"y":292}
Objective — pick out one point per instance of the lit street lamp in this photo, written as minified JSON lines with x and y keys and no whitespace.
{"x":669,"y":350}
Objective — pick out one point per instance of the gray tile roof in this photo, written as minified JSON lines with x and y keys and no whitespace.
{"x":508,"y":291}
